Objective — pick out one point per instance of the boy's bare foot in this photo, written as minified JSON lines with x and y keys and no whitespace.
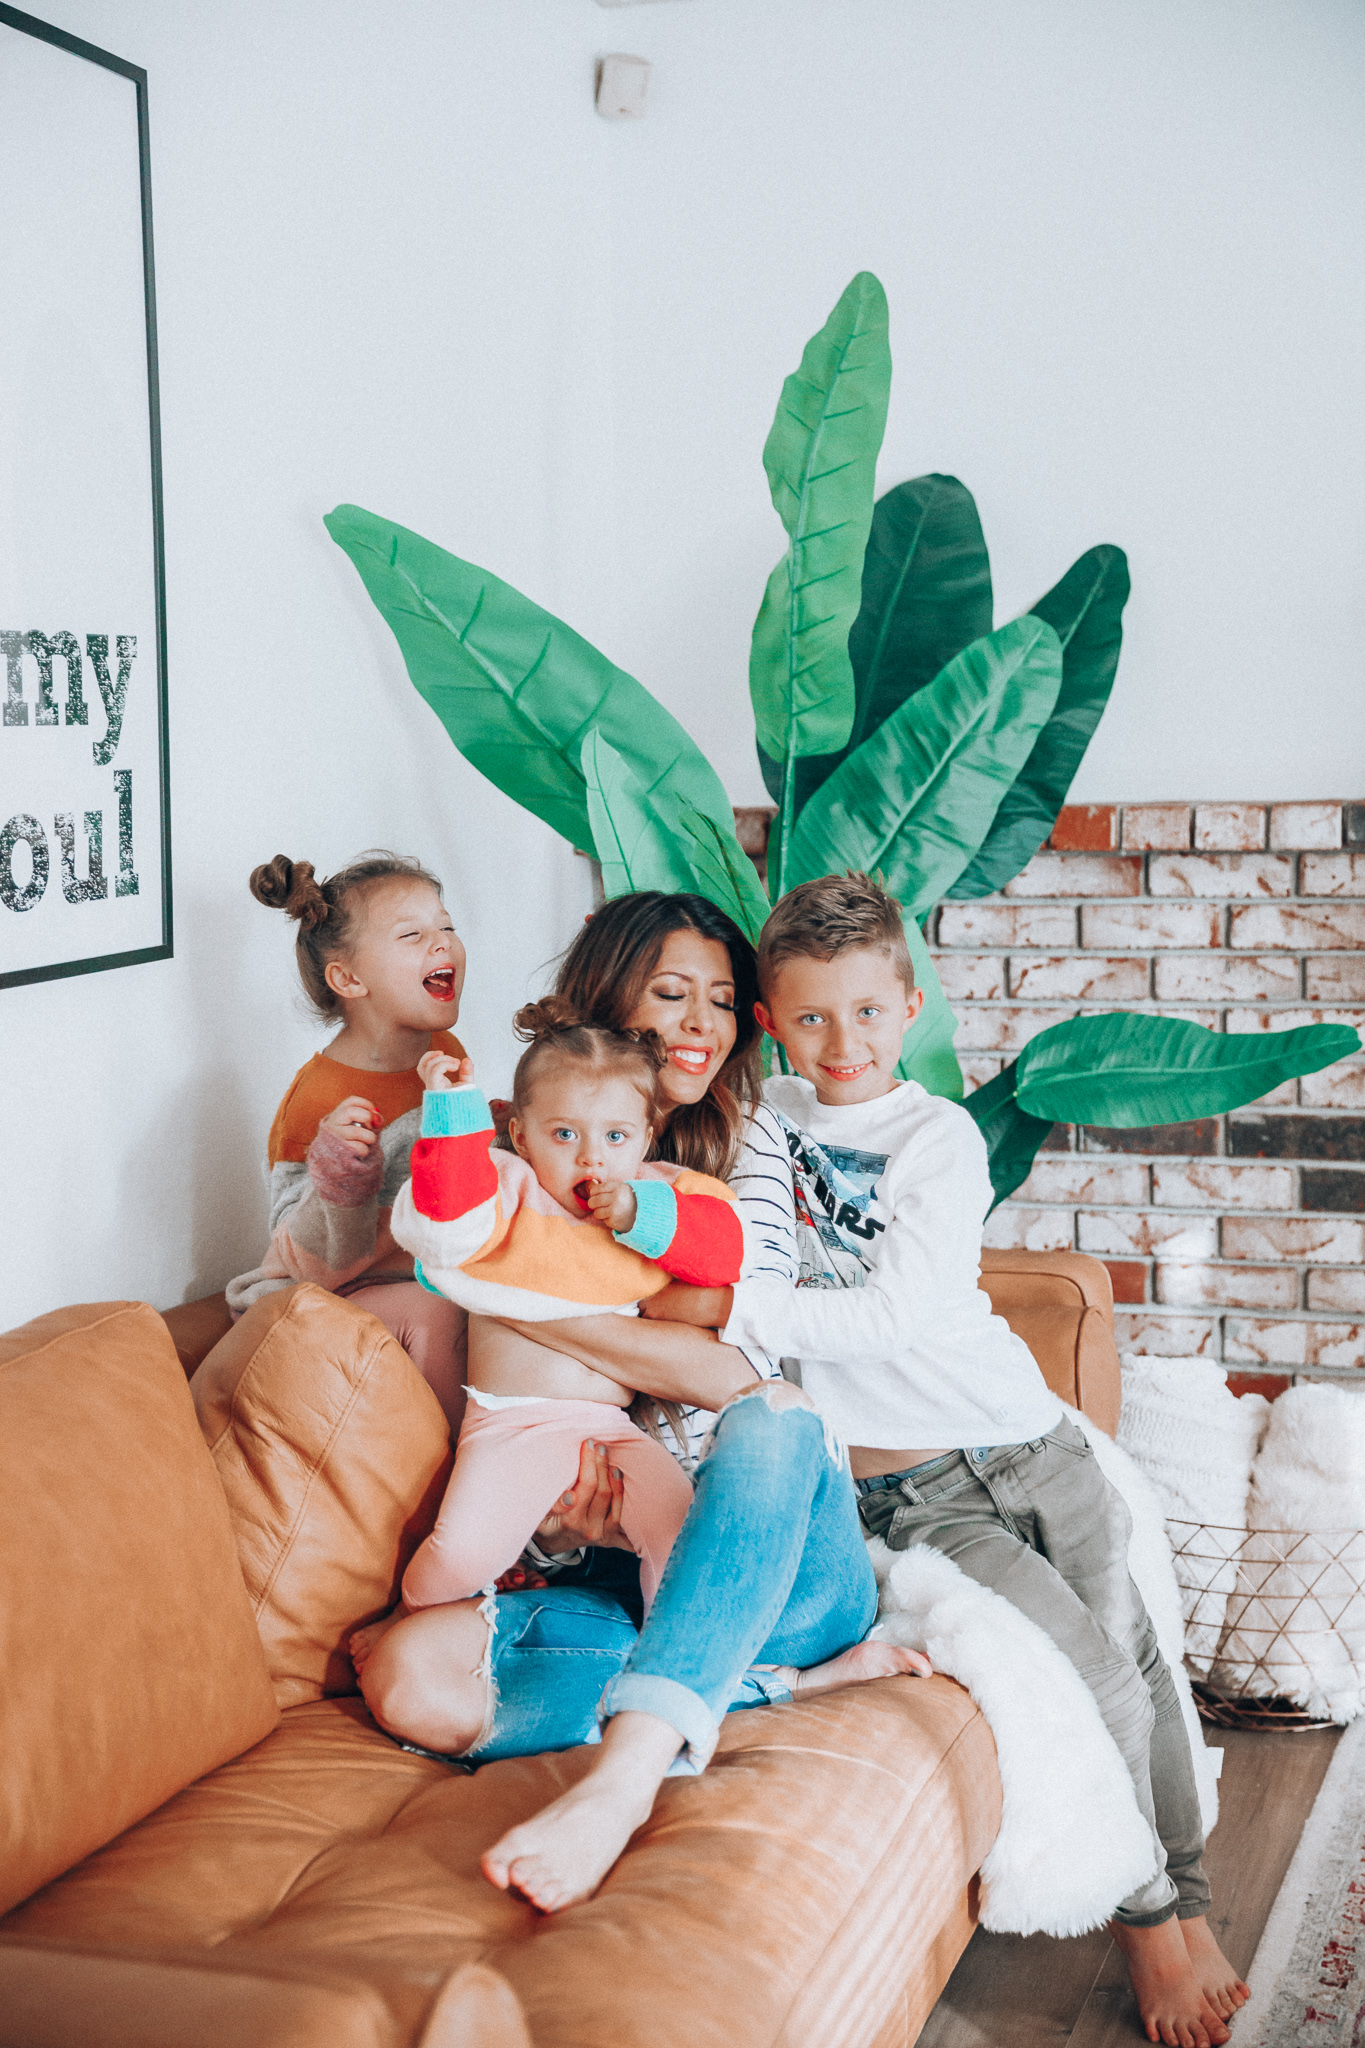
{"x":562,"y":1854}
{"x":364,"y":1640}
{"x":1170,"y":1998}
{"x":1214,"y":1974}
{"x":854,"y":1667}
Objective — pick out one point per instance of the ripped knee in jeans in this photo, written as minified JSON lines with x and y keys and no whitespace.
{"x":488,"y":1615}
{"x":774,"y":1394}
{"x":781,"y":1397}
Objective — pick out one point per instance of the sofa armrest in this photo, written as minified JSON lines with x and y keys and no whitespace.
{"x":1062,"y":1305}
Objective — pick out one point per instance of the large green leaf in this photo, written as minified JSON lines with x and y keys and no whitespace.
{"x":918,"y":797}
{"x":516,"y":689}
{"x":820,"y":457}
{"x":1086,"y":611}
{"x":927,"y":1054}
{"x":1124,"y":1071}
{"x":1012,"y":1135}
{"x":655,"y":840}
{"x":634,"y":845}
{"x":926,"y":594}
{"x":724,"y":871}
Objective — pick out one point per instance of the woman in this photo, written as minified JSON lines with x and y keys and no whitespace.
{"x":768,"y":1590}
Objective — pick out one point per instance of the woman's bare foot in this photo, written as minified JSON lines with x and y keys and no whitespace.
{"x":562,"y":1854}
{"x":854,"y":1667}
{"x":1213,"y":1973}
{"x":363,"y":1642}
{"x":1169,"y":1995}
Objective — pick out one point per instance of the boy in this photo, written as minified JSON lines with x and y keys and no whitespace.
{"x":892,"y":1190}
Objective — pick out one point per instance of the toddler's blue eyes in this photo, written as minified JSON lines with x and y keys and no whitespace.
{"x":565,"y":1132}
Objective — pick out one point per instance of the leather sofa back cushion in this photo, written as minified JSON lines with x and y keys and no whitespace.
{"x":130,"y":1662}
{"x":333,"y":1453}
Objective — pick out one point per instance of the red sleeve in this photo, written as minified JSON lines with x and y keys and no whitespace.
{"x":708,"y":1244}
{"x":451,"y":1176}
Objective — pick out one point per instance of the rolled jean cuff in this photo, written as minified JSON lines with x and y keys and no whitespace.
{"x":1157,"y":1919}
{"x":637,"y":1692}
{"x":1157,"y":1916}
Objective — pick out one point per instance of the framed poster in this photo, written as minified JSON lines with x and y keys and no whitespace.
{"x":85,"y":850}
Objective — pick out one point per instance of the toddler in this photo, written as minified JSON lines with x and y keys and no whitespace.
{"x":571,"y":1222}
{"x":378,"y":954}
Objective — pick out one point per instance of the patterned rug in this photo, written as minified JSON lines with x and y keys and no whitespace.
{"x":1308,"y":1979}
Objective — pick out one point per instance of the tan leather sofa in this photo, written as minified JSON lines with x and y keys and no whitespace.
{"x":208,"y":1844}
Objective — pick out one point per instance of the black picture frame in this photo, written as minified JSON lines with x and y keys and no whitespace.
{"x":27,"y":24}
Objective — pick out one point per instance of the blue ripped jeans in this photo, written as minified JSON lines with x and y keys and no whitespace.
{"x":769,"y":1568}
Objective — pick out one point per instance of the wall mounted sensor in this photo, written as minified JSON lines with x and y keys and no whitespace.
{"x":622,"y":83}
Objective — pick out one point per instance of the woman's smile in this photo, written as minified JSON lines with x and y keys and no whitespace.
{"x":693,"y":1059}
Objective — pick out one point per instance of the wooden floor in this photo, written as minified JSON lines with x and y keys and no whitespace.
{"x":1012,"y":1991}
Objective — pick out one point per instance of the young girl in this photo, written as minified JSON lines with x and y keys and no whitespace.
{"x":570,"y":1223}
{"x":377,"y":952}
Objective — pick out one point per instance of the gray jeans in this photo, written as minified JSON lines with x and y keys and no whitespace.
{"x":1041,"y":1525}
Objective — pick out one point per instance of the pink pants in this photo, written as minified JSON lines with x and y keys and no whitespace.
{"x":433,"y":1331}
{"x":511,"y":1466}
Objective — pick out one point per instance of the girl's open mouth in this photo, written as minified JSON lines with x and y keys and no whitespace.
{"x":441,"y":984}
{"x":692,"y":1059}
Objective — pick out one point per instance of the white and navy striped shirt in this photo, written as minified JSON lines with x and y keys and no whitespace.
{"x":762,"y":1187}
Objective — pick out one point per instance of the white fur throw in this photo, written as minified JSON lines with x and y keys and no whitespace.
{"x":1195,"y":1442}
{"x":1309,"y":1477}
{"x":1072,"y":1843}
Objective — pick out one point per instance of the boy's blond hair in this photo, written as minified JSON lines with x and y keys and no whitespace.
{"x":838,"y":914}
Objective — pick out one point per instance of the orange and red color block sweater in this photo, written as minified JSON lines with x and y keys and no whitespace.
{"x":485,"y":1233}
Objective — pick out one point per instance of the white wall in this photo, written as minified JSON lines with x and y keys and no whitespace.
{"x":400,"y":261}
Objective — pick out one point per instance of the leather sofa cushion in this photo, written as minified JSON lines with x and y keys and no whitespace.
{"x":333,"y":1453}
{"x":817,"y":1873}
{"x":131,"y":1663}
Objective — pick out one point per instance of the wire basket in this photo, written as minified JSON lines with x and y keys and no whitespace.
{"x":1274,"y":1621}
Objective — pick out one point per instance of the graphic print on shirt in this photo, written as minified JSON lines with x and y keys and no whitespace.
{"x":838,"y":1216}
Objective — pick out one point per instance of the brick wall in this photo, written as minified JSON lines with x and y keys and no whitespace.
{"x":1238,"y":1238}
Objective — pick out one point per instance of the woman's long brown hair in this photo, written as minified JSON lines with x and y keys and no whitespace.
{"x":605,"y":973}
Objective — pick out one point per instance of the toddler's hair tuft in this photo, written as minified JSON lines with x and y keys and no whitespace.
{"x":555,"y":1030}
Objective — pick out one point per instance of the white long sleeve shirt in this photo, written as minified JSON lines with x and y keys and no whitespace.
{"x":896,"y":1342}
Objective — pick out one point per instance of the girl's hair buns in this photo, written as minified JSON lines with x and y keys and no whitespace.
{"x":328,"y":914}
{"x":288,"y":885}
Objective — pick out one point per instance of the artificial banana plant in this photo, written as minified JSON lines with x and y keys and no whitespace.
{"x":898,"y":732}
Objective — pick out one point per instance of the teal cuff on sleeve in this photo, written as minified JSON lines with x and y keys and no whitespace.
{"x":422,"y":1281}
{"x":656,"y":1218}
{"x":455,"y":1112}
